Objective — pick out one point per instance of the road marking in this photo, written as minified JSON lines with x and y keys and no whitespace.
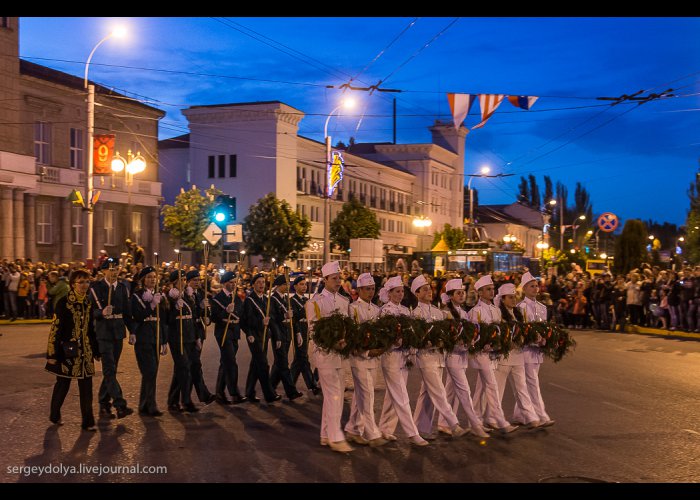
{"x":692,"y":431}
{"x":562,"y":387}
{"x":621,"y":407}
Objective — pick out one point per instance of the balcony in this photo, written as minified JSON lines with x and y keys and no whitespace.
{"x":392,"y":206}
{"x":339,"y":195}
{"x":373,"y":201}
{"x":301,"y":185}
{"x":400,"y":208}
{"x":382,"y":204}
{"x":363,"y":198}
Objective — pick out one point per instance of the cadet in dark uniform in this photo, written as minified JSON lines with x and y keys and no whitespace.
{"x":253,"y":323}
{"x":110,"y":299}
{"x":226,"y":312}
{"x":281,"y":339}
{"x":148,"y":344}
{"x":181,"y":338}
{"x":196,"y":294}
{"x":301,"y":364}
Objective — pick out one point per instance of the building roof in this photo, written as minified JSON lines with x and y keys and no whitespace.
{"x":59,"y":77}
{"x":237,"y":104}
{"x":179,"y":142}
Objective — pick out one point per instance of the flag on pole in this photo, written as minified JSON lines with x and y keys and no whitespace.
{"x":522,"y":101}
{"x":460,"y":105}
{"x":335,"y":172}
{"x":488,"y":103}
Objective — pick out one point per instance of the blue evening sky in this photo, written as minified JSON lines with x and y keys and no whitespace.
{"x":636,"y":160}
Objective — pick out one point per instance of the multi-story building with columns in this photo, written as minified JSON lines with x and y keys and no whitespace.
{"x":250,"y":149}
{"x":43,"y":157}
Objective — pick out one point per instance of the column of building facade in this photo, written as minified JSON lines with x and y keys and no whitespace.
{"x":18,"y":223}
{"x":66,"y":236}
{"x":98,"y":232}
{"x":6,"y":246}
{"x":30,"y":227}
{"x":154,"y":225}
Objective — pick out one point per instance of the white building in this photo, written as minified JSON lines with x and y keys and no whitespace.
{"x":250,"y":149}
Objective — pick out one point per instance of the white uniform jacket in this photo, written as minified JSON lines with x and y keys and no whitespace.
{"x":533,"y":311}
{"x":483,"y":313}
{"x":395,"y":356}
{"x":323,"y":305}
{"x":362,"y":311}
{"x":432,"y":356}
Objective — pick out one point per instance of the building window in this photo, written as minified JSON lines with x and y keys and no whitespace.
{"x":212,"y":165}
{"x":382,"y":223}
{"x":43,"y":224}
{"x":109,"y":227}
{"x":137,"y":226}
{"x":222,"y":166}
{"x":42,"y":142}
{"x":391,"y":226}
{"x":77,"y":148}
{"x":232,"y":165}
{"x":315,"y":214}
{"x":399,"y":226}
{"x":77,"y":225}
{"x":4,"y":22}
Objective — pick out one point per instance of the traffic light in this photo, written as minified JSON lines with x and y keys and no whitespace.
{"x":224,"y":210}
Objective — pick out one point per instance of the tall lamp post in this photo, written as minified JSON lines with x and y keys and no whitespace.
{"x":347,"y":103}
{"x":89,"y":178}
{"x":483,"y":173}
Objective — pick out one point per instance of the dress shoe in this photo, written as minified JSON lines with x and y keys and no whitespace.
{"x":373,"y":443}
{"x":277,"y":397}
{"x":296,"y":395}
{"x":508,"y":429}
{"x":191,"y":408}
{"x":237,"y":399}
{"x":458,"y":431}
{"x":107,"y":413}
{"x":56,"y":420}
{"x":547,"y":423}
{"x":429,"y":437}
{"x":445,"y":430}
{"x":156,"y":413}
{"x":532,"y":425}
{"x":479,"y":432}
{"x":418,"y":441}
{"x":175,"y":408}
{"x":355,"y":438}
{"x":209,"y":399}
{"x":223,"y":400}
{"x":123,"y":412}
{"x":341,"y":446}
{"x":389,"y":437}
{"x":324,"y":441}
{"x":89,"y":428}
{"x":490,"y":426}
{"x":316,"y":391}
{"x":253,"y":399}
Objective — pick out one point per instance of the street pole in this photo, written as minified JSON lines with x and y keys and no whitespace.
{"x":327,"y":201}
{"x":89,"y":181}
{"x":561,"y":225}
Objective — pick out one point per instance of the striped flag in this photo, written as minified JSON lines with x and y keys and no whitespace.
{"x":488,"y":103}
{"x":522,"y":101}
{"x":460,"y":105}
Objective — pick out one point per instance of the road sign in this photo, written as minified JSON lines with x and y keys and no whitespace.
{"x":608,"y":222}
{"x":212,"y":234}
{"x":234,"y":233}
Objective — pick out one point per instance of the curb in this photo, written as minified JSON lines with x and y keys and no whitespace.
{"x":7,"y":322}
{"x":662,"y":333}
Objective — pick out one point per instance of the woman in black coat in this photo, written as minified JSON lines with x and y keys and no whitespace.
{"x":72,"y":349}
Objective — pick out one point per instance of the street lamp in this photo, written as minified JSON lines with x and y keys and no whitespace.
{"x":563,"y":227}
{"x":483,"y":172}
{"x":131,"y":165}
{"x":89,"y":178}
{"x":347,"y":103}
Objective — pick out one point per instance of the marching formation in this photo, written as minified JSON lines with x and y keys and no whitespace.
{"x":499,"y":338}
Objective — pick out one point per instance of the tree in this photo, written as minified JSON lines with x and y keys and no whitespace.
{"x":692,"y":239}
{"x":523,"y":191}
{"x":555,"y":258}
{"x":631,"y":246}
{"x":548,"y":192}
{"x":189,"y":216}
{"x":454,"y":237}
{"x":273,"y":229}
{"x":354,"y":220}
{"x":534,"y":193}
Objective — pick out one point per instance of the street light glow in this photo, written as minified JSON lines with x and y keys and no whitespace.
{"x":485,"y":170}
{"x":572,"y":251}
{"x":348,"y":103}
{"x":681,"y":238}
{"x":603,"y":256}
{"x":119,"y":32}
{"x":651,"y":236}
{"x":552,"y":202}
{"x":582,"y":217}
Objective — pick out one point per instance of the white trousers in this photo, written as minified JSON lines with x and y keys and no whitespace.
{"x":397,"y":407}
{"x":532,"y":379}
{"x":362,"y":421}
{"x":432,"y":396}
{"x":516,"y":373}
{"x":458,"y":392}
{"x":333,"y":383}
{"x":487,"y":400}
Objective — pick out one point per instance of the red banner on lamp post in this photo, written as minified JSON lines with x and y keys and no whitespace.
{"x":103,"y":152}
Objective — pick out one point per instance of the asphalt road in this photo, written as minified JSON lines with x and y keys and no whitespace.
{"x":627,"y":409}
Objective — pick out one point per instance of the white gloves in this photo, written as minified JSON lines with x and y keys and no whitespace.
{"x":180,"y":303}
{"x":147,"y":296}
{"x":156,"y":300}
{"x":278,"y":344}
{"x":189,"y":291}
{"x":300,"y":340}
{"x":132,"y":339}
{"x":204,"y":304}
{"x":289,"y":315}
{"x":229,"y":308}
{"x":107,"y":311}
{"x":174,"y":293}
{"x":251,"y":339}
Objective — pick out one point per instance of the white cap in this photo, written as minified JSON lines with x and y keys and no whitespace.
{"x":506,"y":289}
{"x":365,"y":279}
{"x":527,"y":278}
{"x":455,"y":284}
{"x":483,"y":281}
{"x":330,"y":268}
{"x":418,"y":282}
{"x":393,"y":282}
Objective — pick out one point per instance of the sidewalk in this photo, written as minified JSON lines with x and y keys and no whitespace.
{"x":642,"y":330}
